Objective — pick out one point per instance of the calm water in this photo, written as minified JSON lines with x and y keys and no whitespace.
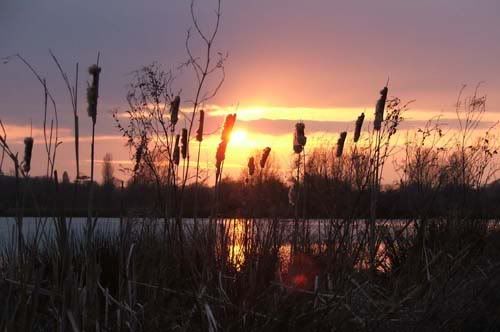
{"x":239,"y":231}
{"x":45,"y":227}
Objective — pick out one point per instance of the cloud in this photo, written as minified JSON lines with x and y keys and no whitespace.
{"x":17,"y":133}
{"x":97,"y":138}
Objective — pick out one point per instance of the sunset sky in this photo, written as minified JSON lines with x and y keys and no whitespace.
{"x":322,"y":62}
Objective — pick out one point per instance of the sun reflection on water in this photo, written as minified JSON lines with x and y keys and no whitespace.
{"x":250,"y":240}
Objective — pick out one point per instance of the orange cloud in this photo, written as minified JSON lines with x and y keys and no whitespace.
{"x":17,"y":133}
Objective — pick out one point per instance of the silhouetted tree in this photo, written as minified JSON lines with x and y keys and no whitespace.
{"x":65,"y":178}
{"x":108,"y":170}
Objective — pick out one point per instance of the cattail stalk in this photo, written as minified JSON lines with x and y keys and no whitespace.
{"x":220,"y":156}
{"x":91,"y":274}
{"x":77,"y":127}
{"x":299,"y":141}
{"x":375,"y":174}
{"x":199,"y":139}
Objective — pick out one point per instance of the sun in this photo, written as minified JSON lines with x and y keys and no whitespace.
{"x":238,"y":137}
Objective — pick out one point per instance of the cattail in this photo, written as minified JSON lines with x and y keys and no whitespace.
{"x":379,"y":109}
{"x":176,"y":156}
{"x":28,"y":149}
{"x":221,"y":149}
{"x":264,"y":157}
{"x":299,"y":138}
{"x":251,"y":166}
{"x":174,"y":110}
{"x":93,"y":92}
{"x":199,"y":132}
{"x":340,"y":144}
{"x":228,"y":127}
{"x":359,"y":125}
{"x":297,"y":148}
{"x":184,"y":141}
{"x":219,"y":157}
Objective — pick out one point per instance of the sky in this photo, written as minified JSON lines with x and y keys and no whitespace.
{"x":321,"y":61}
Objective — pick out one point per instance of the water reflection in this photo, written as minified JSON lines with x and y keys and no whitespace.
{"x":296,"y":251}
{"x":302,"y":249}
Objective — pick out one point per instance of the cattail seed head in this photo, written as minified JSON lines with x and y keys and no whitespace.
{"x":299,"y":138}
{"x":174,"y":110}
{"x":184,"y":141}
{"x":221,"y":149}
{"x":199,"y":132}
{"x":228,"y":127}
{"x":220,"y":156}
{"x":340,"y":144}
{"x":251,"y":166}
{"x":93,"y":92}
{"x":359,"y":125}
{"x":176,"y":154}
{"x":94,"y":70}
{"x":264,"y":157}
{"x":28,"y":149}
{"x":379,"y":109}
{"x":297,"y":148}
